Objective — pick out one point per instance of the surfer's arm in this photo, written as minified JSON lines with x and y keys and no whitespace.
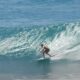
{"x":42,"y":50}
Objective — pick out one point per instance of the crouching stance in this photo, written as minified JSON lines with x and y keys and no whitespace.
{"x":45,"y":50}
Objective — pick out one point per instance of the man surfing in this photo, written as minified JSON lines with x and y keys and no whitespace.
{"x":45,"y":50}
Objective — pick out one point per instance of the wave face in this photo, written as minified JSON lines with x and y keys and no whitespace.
{"x":62,"y":39}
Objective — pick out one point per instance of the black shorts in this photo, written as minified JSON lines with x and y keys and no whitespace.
{"x":46,"y":50}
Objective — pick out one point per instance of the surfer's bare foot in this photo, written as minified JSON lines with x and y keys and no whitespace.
{"x":50,"y":55}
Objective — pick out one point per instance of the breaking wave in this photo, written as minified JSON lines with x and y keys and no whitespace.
{"x":62,"y":39}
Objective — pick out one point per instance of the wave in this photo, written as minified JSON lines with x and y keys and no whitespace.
{"x":62,"y":39}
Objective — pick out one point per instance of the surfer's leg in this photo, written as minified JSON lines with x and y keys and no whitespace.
{"x":49,"y":54}
{"x":43,"y":54}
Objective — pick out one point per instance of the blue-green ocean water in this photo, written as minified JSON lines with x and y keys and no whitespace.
{"x":19,"y":52}
{"x":25,"y":24}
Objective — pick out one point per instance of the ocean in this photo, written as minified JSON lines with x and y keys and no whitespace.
{"x":19,"y":52}
{"x":25,"y":25}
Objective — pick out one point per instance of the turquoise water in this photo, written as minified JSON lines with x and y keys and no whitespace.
{"x":19,"y":52}
{"x":25,"y":24}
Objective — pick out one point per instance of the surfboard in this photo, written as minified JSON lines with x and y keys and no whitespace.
{"x":46,"y":59}
{"x":43,"y":59}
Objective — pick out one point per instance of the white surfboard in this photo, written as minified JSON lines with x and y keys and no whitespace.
{"x":43,"y":59}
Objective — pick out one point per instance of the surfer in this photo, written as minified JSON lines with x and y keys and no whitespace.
{"x":45,"y":50}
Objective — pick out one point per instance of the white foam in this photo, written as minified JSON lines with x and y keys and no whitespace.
{"x":67,"y":45}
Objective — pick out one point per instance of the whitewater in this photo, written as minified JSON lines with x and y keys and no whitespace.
{"x":25,"y":25}
{"x":62,"y":39}
{"x":19,"y":52}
